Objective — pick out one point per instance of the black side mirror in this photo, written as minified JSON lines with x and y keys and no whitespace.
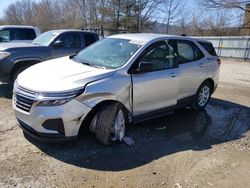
{"x":58,"y":44}
{"x":144,"y":67}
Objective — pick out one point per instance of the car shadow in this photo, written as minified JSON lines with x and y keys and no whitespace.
{"x":186,"y":129}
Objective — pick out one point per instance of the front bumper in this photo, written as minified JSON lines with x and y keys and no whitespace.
{"x":33,"y":123}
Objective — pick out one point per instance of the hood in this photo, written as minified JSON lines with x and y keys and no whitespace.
{"x":59,"y":75}
{"x":8,"y":45}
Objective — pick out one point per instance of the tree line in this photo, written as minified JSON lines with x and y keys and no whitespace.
{"x":130,"y":15}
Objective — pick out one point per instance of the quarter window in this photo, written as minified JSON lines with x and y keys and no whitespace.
{"x":209,"y":47}
{"x":161,"y":55}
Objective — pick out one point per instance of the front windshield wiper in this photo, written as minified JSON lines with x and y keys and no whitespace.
{"x":89,"y":63}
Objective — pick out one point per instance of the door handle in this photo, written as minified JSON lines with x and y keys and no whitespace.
{"x":201,"y":65}
{"x":173,"y":75}
{"x":210,"y":58}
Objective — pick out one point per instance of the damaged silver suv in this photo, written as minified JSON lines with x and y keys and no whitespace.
{"x":119,"y":80}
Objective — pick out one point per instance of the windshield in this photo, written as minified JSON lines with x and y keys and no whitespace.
{"x":108,"y":53}
{"x":46,"y":38}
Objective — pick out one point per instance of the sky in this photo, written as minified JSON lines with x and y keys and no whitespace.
{"x":5,"y":3}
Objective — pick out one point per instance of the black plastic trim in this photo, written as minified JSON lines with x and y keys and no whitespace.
{"x":46,"y":137}
{"x":164,"y":111}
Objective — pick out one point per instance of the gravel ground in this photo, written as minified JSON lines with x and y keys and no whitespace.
{"x":210,"y":148}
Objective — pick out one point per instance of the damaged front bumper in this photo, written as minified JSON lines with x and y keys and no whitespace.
{"x":53,"y":123}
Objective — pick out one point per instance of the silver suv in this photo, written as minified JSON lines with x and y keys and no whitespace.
{"x":119,"y":80}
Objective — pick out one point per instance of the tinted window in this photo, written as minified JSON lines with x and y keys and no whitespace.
{"x":187,"y":51}
{"x":70,"y":40}
{"x":17,"y":34}
{"x":161,"y":55}
{"x":89,"y":38}
{"x":209,"y":48}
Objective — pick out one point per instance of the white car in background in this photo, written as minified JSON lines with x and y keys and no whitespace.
{"x":18,"y":33}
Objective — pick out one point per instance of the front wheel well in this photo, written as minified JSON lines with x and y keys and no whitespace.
{"x":87,"y":120}
{"x":22,"y":64}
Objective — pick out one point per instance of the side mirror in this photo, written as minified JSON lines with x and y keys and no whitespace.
{"x":58,"y":44}
{"x":144,"y":67}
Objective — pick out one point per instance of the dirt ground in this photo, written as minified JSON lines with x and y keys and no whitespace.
{"x":210,"y":148}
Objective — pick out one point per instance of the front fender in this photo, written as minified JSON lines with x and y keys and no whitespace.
{"x":108,"y":89}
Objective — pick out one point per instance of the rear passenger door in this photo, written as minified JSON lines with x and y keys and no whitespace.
{"x":71,"y":43}
{"x":191,"y":62}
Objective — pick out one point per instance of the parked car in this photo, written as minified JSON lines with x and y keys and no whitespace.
{"x":16,"y":57}
{"x":18,"y":33}
{"x":122,"y":79}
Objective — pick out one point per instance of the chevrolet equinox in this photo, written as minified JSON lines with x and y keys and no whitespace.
{"x":119,"y":80}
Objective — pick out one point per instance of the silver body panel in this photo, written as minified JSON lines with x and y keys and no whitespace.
{"x":139,"y":93}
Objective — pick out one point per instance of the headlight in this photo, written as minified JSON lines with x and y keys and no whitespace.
{"x":53,"y":102}
{"x":4,"y":55}
{"x":56,"y":99}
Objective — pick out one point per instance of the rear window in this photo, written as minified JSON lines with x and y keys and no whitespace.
{"x":89,"y":38}
{"x":209,"y":48}
{"x":10,"y":34}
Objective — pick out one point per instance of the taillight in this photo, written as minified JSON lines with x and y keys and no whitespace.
{"x":218,"y":61}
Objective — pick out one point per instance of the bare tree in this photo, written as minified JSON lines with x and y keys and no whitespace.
{"x":171,"y":9}
{"x":226,"y":4}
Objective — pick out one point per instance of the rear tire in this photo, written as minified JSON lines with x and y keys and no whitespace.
{"x":107,"y":119}
{"x":202,"y":96}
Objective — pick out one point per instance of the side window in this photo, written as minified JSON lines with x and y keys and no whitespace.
{"x":208,"y":47}
{"x":161,"y":55}
{"x":10,"y":34}
{"x":188,"y":51}
{"x":29,"y":34}
{"x":89,"y":39}
{"x":70,"y":40}
{"x":5,"y":35}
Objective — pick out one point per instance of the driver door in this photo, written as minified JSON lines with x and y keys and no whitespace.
{"x":70,"y":44}
{"x":157,"y":88}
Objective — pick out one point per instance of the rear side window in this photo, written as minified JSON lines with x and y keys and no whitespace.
{"x":187,"y":51}
{"x":209,"y":48}
{"x":17,"y":34}
{"x":70,"y":40}
{"x":89,"y":39}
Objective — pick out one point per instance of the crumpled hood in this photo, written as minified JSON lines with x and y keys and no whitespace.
{"x":10,"y":45}
{"x":59,"y":75}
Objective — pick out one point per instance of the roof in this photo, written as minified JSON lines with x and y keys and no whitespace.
{"x":69,"y":30}
{"x":146,"y":37}
{"x":17,"y":26}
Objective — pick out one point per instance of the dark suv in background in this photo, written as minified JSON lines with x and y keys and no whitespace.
{"x":16,"y":57}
